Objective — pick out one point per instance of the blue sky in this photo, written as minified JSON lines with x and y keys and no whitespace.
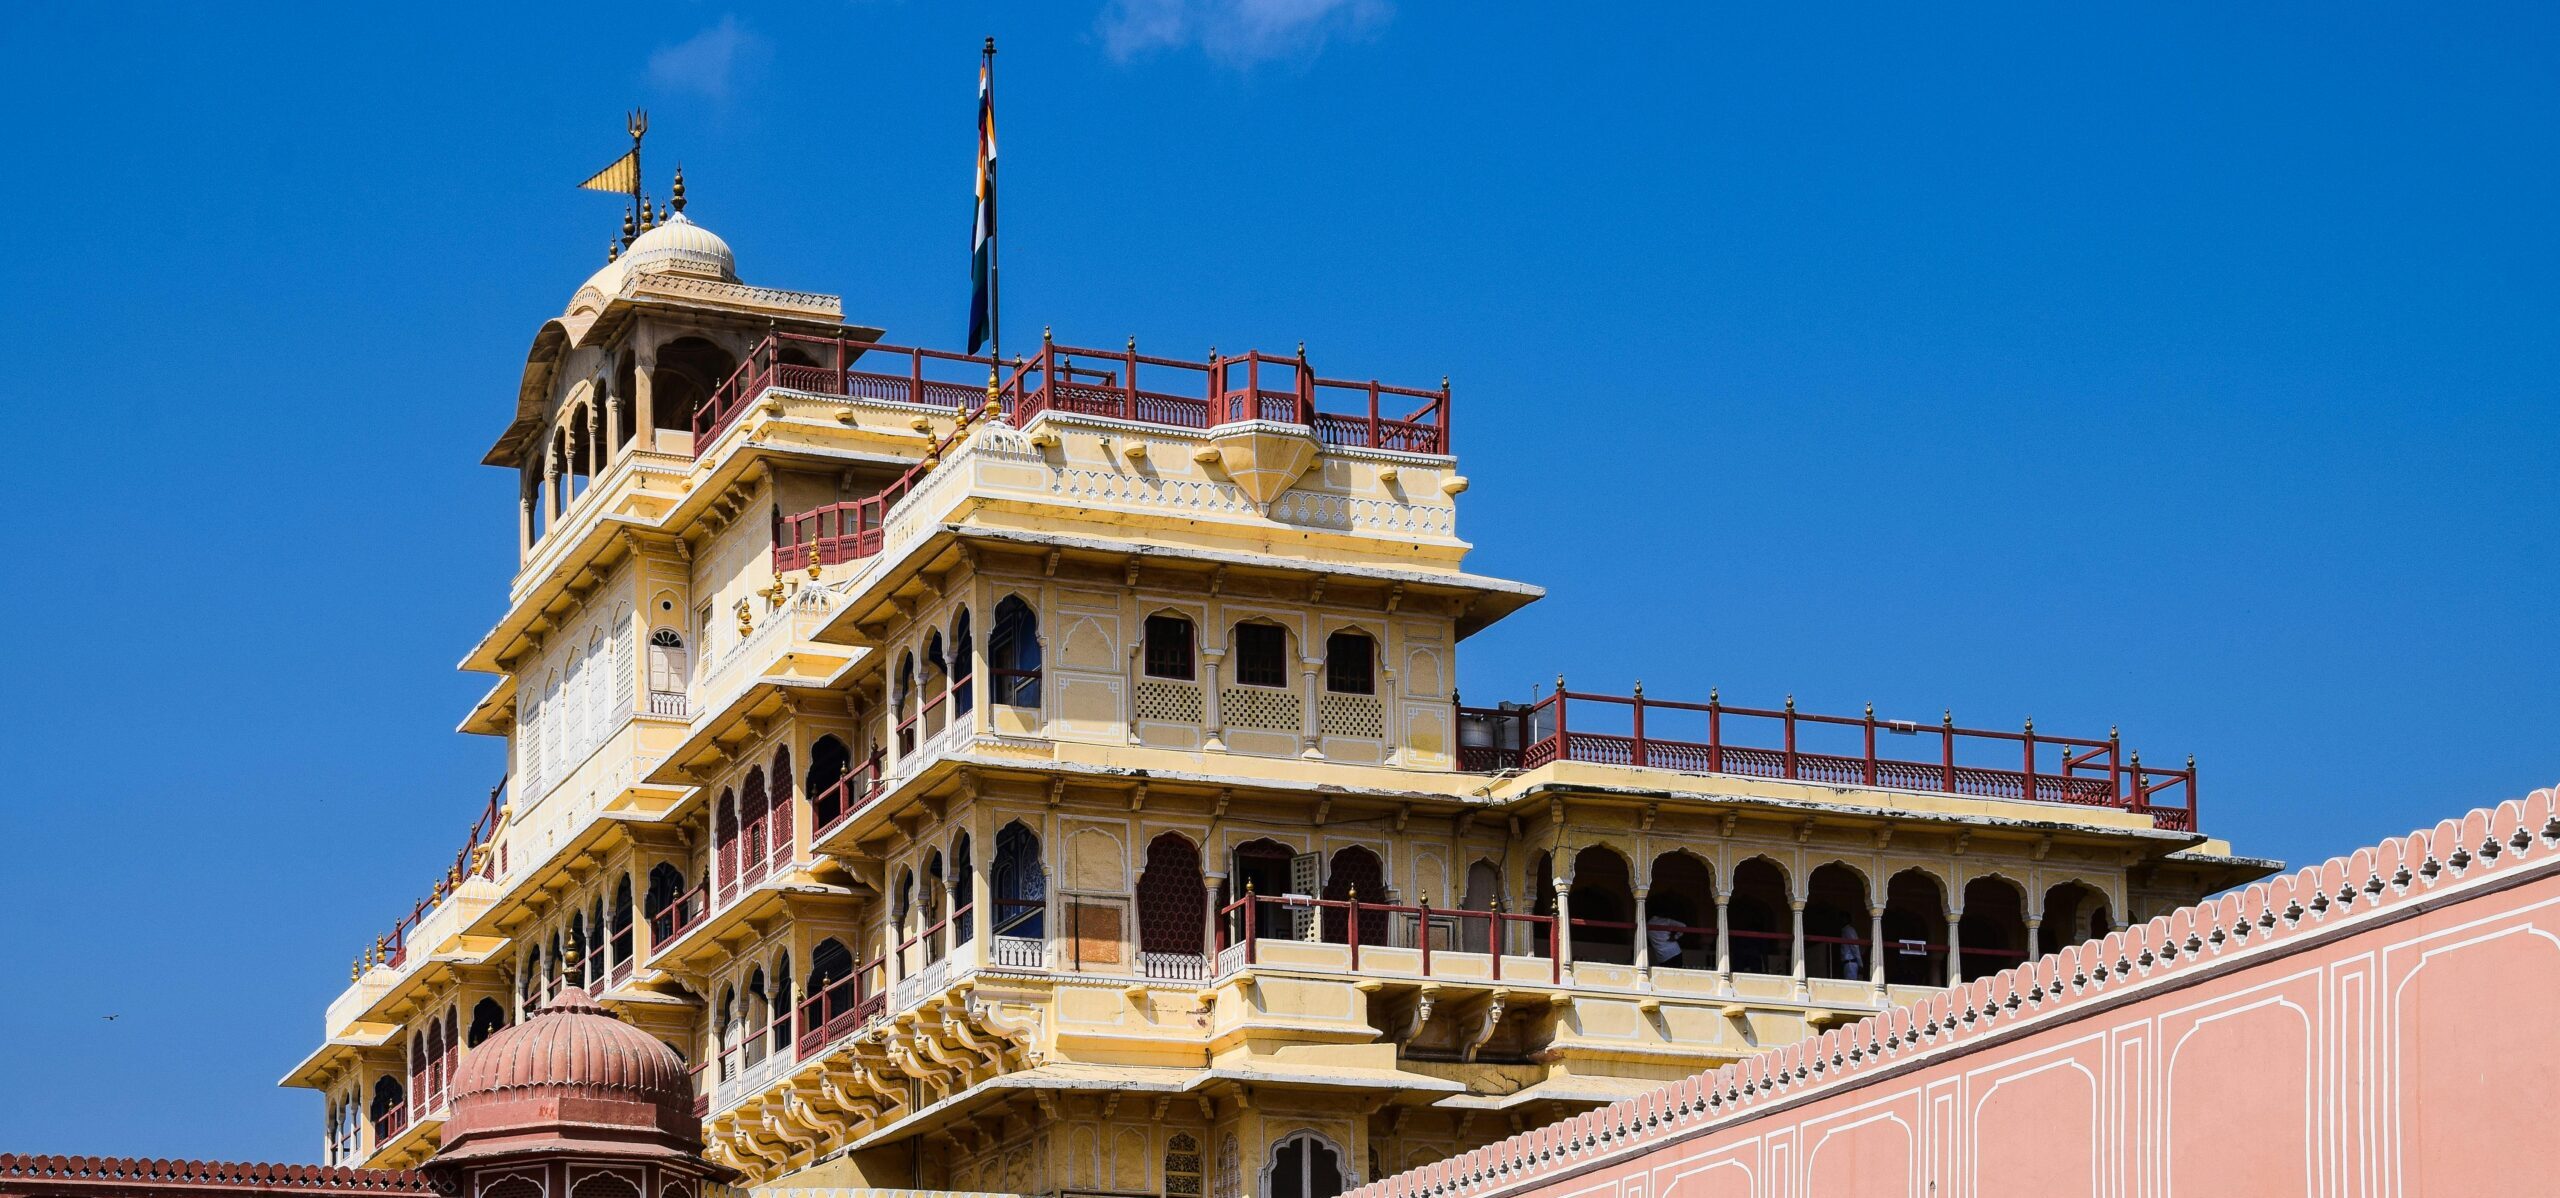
{"x":2165,"y":366}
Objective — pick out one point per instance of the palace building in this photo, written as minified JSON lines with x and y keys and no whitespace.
{"x":1047,"y":775}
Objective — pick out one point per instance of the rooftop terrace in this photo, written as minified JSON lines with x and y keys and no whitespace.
{"x":1120,"y":384}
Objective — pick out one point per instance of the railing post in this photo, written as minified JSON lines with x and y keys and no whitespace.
{"x":1373,"y":414}
{"x":2028,"y":739}
{"x":915,"y":377}
{"x":1129,"y":379}
{"x":1637,"y":753}
{"x":2115,"y":766}
{"x":1352,"y":927}
{"x":1947,"y":753}
{"x":1423,"y":930}
{"x":1250,"y":907}
{"x":1446,"y":441}
{"x":1498,"y":937}
{"x":1253,"y":382}
{"x":1871,"y":744}
{"x":1564,"y":744}
{"x":2195,"y":814}
{"x":1307,"y":390}
{"x":1790,"y":721}
{"x":1715,"y":731}
{"x":1217,"y":387}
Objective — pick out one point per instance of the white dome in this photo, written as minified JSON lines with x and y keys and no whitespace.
{"x":680,"y":246}
{"x":676,"y":246}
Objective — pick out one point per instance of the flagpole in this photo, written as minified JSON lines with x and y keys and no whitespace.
{"x":995,"y":246}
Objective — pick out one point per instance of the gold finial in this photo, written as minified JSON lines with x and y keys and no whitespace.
{"x":612,"y":249}
{"x":630,"y":224}
{"x":1302,"y":350}
{"x":746,"y":619}
{"x":676,"y":200}
{"x":1355,"y":892}
{"x":1947,"y":718}
{"x":648,"y":214}
{"x":1871,"y":711}
{"x":1559,"y":682}
{"x":1714,"y":696}
{"x":1045,"y":337}
{"x":637,"y":122}
{"x":773,"y":594}
{"x":2113,"y":735}
{"x":355,"y":969}
{"x":2191,"y":763}
{"x":1248,"y":886}
{"x":1213,"y":354}
{"x":1133,"y":344}
{"x":1425,"y":904}
{"x":2031,"y":723}
{"x":1791,"y":702}
{"x":995,"y":390}
{"x":814,"y":564}
{"x":1639,"y":688}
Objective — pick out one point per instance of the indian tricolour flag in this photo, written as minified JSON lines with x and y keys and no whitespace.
{"x":982,"y":237}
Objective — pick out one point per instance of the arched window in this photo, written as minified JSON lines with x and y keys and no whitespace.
{"x":1262,"y":655}
{"x":1021,"y":886}
{"x":829,"y":762}
{"x":486,"y":1018}
{"x":782,"y":1003}
{"x":1181,"y":1166}
{"x":666,"y":662}
{"x":2073,"y":912}
{"x":1484,"y":886}
{"x":754,"y":836}
{"x":725,"y":1032}
{"x":1169,"y":648}
{"x":689,"y":369}
{"x":1013,"y":654}
{"x":779,"y":845}
{"x":964,"y":666}
{"x":1351,"y":663}
{"x":1761,"y":919}
{"x":930,"y":892}
{"x":1303,"y":1166}
{"x":759,"y":1016}
{"x":833,"y":995}
{"x":1172,"y":902}
{"x":1994,"y":928}
{"x":1604,"y":908}
{"x":902,"y":907}
{"x":666,"y":887}
{"x":1355,"y":872}
{"x":1835,"y":924}
{"x":1680,"y":914}
{"x":902,"y":702}
{"x":621,"y":942}
{"x":964,"y":902}
{"x":724,"y":835}
{"x":1915,"y":930}
{"x":388,"y":1109}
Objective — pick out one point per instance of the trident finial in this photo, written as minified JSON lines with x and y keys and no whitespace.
{"x":638,"y":123}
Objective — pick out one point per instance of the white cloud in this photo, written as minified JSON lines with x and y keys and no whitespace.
{"x":709,"y":62}
{"x":1235,"y":32}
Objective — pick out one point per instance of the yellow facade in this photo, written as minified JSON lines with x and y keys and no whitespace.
{"x":1107,"y":689}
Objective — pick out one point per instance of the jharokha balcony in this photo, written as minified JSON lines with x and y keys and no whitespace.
{"x":1717,"y":738}
{"x":1118,"y":384}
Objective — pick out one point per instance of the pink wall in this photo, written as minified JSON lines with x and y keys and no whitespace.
{"x":2385,"y":1024}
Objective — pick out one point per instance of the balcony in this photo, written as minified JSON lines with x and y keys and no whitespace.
{"x":478,"y":859}
{"x":1975,"y":762}
{"x":1173,"y":393}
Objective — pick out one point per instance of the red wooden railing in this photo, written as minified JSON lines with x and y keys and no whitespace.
{"x":839,"y":1008}
{"x":1241,"y":922}
{"x":1226,"y":390}
{"x":846,"y":795}
{"x":850,"y":531}
{"x":1093,"y":382}
{"x":392,"y":949}
{"x":681,"y":914}
{"x":390,"y":1123}
{"x":828,"y":366}
{"x":1613,"y":730}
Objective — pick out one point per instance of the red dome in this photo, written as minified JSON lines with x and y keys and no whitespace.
{"x":571,"y":1076}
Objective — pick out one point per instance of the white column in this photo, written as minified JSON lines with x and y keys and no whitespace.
{"x":1563,"y":937}
{"x":1955,"y":945}
{"x":1209,"y":931}
{"x":982,"y":906}
{"x":1642,"y":944}
{"x":1875,"y":952}
{"x":2035,"y":940}
{"x":1311,"y":667}
{"x":1724,"y":941}
{"x":1796,"y":918}
{"x":644,"y":412}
